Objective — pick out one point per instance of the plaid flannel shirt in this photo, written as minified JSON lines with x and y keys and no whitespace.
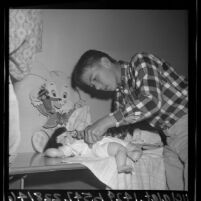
{"x":150,"y":89}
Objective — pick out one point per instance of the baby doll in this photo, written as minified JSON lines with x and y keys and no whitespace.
{"x":108,"y":146}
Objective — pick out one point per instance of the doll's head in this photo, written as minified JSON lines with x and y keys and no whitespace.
{"x":56,"y":87}
{"x":67,"y":139}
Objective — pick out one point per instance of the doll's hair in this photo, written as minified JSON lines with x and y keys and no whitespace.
{"x":52,"y":143}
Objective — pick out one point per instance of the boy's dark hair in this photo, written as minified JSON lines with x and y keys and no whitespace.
{"x":88,"y":59}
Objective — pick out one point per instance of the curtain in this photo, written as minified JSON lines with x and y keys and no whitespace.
{"x":25,"y":40}
{"x":14,"y":122}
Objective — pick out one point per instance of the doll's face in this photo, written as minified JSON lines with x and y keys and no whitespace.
{"x":68,"y":139}
{"x":62,"y":92}
{"x":58,"y":86}
{"x":65,"y":138}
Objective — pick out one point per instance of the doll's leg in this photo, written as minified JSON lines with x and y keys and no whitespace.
{"x":53,"y":152}
{"x":120,"y":153}
{"x":134,"y":152}
{"x":134,"y":155}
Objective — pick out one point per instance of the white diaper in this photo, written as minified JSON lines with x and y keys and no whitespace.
{"x":100,"y":148}
{"x":78,"y":148}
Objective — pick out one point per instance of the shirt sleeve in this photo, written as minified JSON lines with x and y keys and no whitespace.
{"x":145,"y":100}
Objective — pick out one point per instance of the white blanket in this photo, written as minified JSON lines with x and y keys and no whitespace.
{"x":149,"y":171}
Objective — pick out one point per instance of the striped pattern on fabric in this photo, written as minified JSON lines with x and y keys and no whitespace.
{"x":151,"y":88}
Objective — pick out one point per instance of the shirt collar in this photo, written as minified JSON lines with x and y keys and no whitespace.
{"x":124,"y":74}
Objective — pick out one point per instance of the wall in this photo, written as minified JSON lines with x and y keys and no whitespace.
{"x":121,"y":33}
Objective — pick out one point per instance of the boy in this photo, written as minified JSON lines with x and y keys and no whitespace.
{"x":146,"y":88}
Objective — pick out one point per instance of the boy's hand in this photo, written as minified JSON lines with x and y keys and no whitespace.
{"x":91,"y":136}
{"x":95,"y":132}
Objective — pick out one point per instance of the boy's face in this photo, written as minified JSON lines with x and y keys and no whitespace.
{"x":101,"y":76}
